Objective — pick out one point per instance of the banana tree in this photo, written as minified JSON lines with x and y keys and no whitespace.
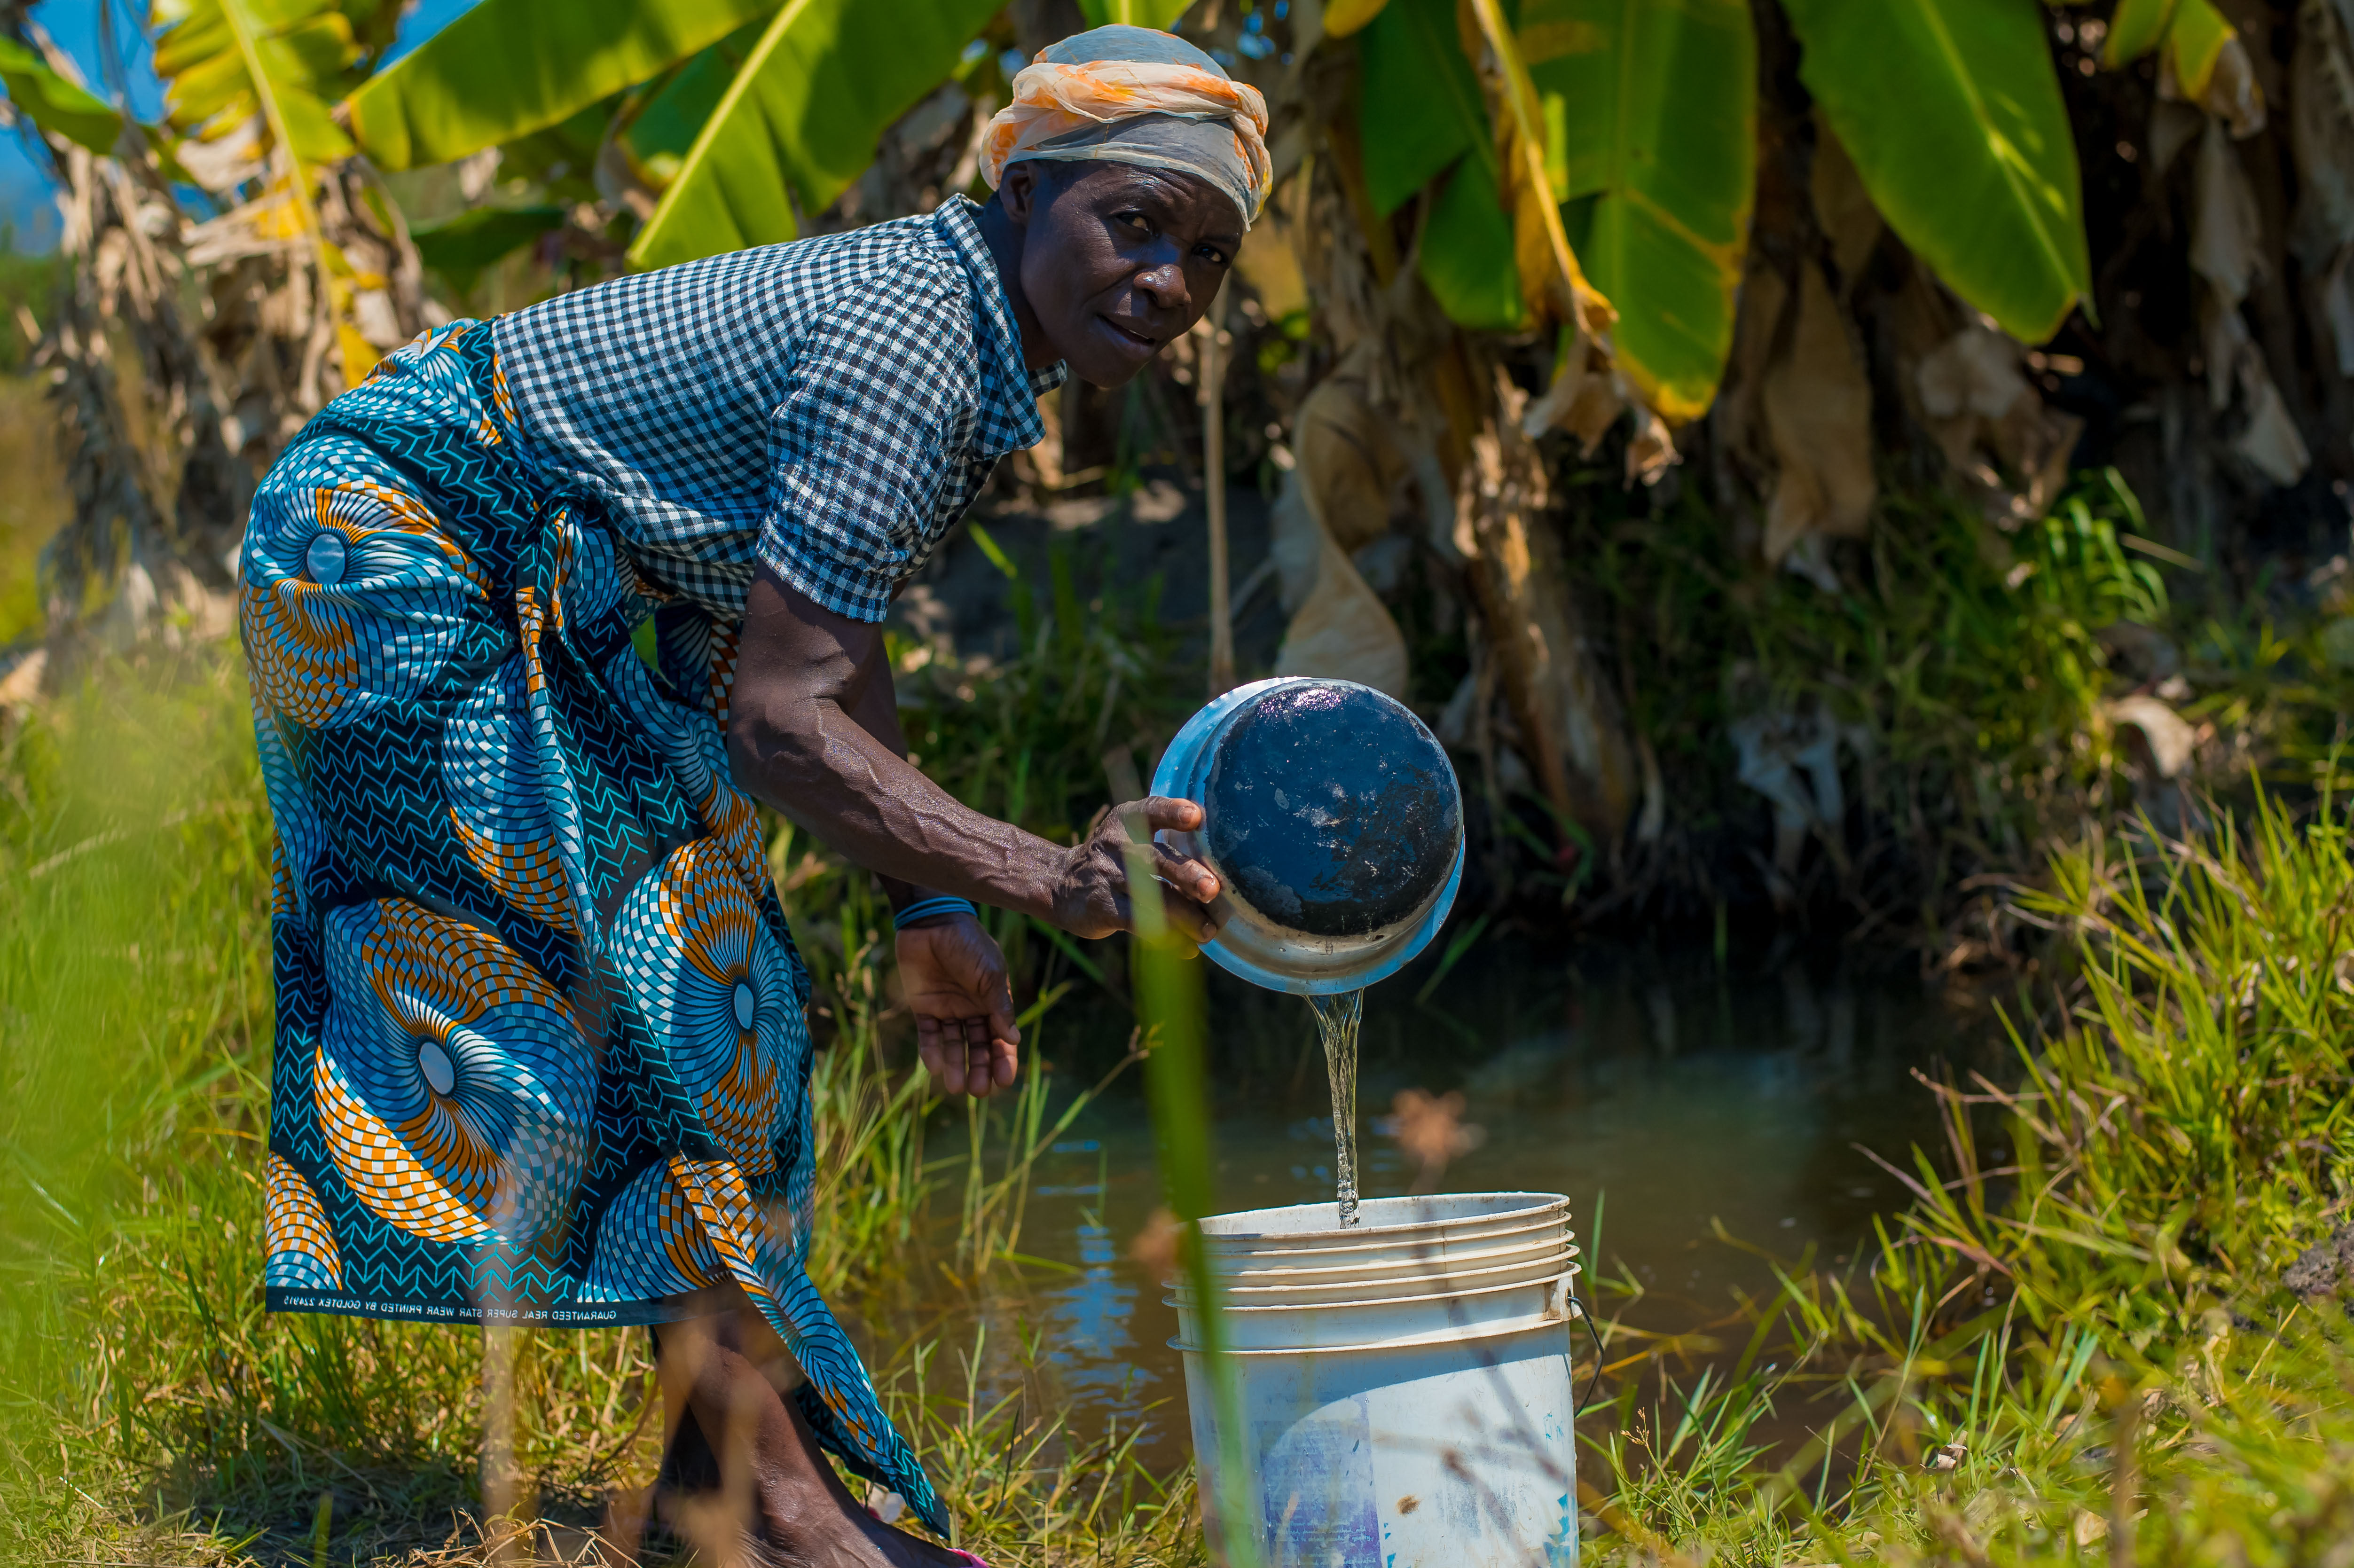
{"x":301,"y":264}
{"x":1650,"y":143}
{"x":250,"y":88}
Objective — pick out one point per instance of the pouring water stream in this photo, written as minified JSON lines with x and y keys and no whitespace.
{"x":1337,"y":1018}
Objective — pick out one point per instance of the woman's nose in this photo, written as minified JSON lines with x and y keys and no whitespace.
{"x":1166,"y":284}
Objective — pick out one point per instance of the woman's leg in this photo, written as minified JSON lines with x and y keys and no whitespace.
{"x":767,"y":1493}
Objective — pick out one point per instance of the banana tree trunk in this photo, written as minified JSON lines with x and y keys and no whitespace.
{"x":1567,"y":716}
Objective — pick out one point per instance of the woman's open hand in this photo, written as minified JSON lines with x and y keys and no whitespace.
{"x":1091,"y":897}
{"x":957,"y":988}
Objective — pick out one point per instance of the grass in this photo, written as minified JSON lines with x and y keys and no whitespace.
{"x":2076,"y":1344}
{"x":2080,"y":1342}
{"x":148,"y":1404}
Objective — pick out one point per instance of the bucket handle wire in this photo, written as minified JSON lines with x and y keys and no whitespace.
{"x":1577,"y":1309}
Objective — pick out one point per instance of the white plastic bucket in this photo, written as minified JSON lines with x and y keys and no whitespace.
{"x":1417,"y":1416}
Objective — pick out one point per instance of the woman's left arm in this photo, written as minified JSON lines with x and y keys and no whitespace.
{"x":813,"y":731}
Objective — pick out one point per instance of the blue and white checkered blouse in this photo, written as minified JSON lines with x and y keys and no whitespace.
{"x":827,"y":408}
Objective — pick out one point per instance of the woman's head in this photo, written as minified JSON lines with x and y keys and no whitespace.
{"x":1118,"y":259}
{"x":1131,"y":166}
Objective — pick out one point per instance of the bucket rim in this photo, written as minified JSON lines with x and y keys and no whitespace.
{"x":1471,"y":1334}
{"x":1571,"y":1272}
{"x":1437,"y":1285}
{"x":1386,"y":1254}
{"x":1537,"y":1204}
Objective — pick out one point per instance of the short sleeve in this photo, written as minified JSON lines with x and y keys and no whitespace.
{"x":881,"y":400}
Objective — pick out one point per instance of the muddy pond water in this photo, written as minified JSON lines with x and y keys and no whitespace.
{"x":1667,"y":1093}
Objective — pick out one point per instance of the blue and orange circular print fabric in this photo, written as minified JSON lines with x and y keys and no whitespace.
{"x":541,"y":1052}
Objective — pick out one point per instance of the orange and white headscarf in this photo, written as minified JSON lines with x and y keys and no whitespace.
{"x":1132,"y":95}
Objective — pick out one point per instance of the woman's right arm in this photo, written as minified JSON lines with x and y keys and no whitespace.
{"x":805,"y":676}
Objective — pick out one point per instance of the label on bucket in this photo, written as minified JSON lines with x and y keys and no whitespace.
{"x":1316,"y":1490}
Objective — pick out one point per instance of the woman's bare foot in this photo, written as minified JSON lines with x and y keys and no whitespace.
{"x":743,"y":1477}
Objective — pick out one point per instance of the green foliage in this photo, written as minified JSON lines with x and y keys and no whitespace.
{"x":1024,"y":741}
{"x":2079,"y":1318}
{"x":1465,"y":257}
{"x":285,"y":60}
{"x":2078,"y":1344}
{"x":1952,"y":113}
{"x":1020,"y":1485}
{"x":55,"y":104}
{"x":2212,"y":1013}
{"x":1659,"y":141}
{"x":1420,"y":106}
{"x":508,"y":68}
{"x":463,"y":247}
{"x":659,"y":131}
{"x":1421,"y":112}
{"x":1161,"y":14}
{"x":29,"y":283}
{"x":800,"y":120}
{"x":1951,"y":110}
{"x":1969,"y":662}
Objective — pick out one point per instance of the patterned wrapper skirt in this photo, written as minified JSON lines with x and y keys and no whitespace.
{"x":541,"y":1054}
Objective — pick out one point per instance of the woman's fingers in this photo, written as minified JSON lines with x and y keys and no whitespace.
{"x":1093,"y":899}
{"x":968,"y":1055}
{"x":941,"y":1058}
{"x":1167,"y":812}
{"x":1190,"y":878}
{"x":1186,"y":919}
{"x":1182,"y":871}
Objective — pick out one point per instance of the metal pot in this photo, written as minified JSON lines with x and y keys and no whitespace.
{"x":1335,"y":822}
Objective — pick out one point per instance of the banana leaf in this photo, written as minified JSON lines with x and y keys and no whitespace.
{"x":1952,"y":113}
{"x":1421,"y":111}
{"x":1420,"y":107}
{"x":2135,"y":29}
{"x":1657,"y":110}
{"x":208,"y":50}
{"x":662,"y":130}
{"x":800,"y":120}
{"x":463,"y":248}
{"x":511,"y":66}
{"x":1467,"y":261}
{"x":58,"y":106}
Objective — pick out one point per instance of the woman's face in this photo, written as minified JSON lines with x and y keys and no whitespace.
{"x":1116,"y":259}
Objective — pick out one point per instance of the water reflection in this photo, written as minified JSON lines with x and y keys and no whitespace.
{"x":1664,"y":1095}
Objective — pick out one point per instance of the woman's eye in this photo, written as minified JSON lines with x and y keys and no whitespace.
{"x":1137,"y":221}
{"x":1212,"y":253}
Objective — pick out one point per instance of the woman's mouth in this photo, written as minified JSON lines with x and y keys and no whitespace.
{"x":1135,"y":341}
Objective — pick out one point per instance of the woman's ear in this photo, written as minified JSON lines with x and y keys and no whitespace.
{"x":1018,"y":192}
